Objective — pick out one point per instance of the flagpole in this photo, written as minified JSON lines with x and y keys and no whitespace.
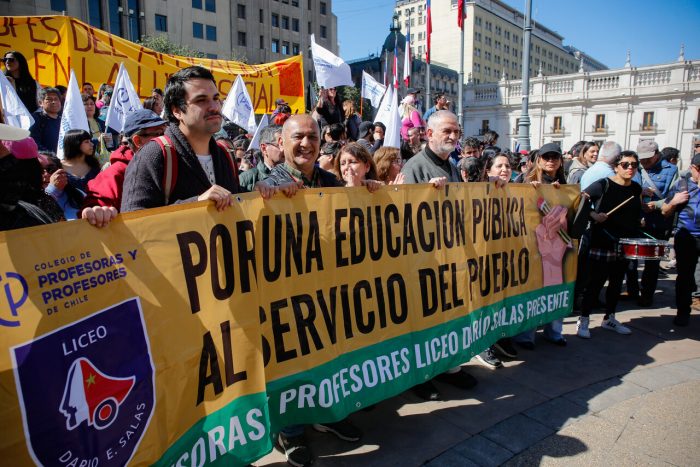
{"x":460,"y":101}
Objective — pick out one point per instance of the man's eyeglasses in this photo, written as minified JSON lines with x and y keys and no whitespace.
{"x":627,"y":165}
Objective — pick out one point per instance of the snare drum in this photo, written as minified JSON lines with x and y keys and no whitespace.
{"x":643,"y":248}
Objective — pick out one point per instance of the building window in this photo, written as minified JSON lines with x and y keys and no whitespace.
{"x":295,"y":49}
{"x":484,"y":127}
{"x":211,"y":33}
{"x":58,"y":5}
{"x":600,"y":122}
{"x":262,"y":42}
{"x":285,"y":48}
{"x":648,"y":121}
{"x":309,"y":27}
{"x":241,"y":11}
{"x":557,"y":125}
{"x":161,"y":23}
{"x":275,"y":20}
{"x":323,"y":31}
{"x":275,"y":46}
{"x":295,"y":2}
{"x":322,"y":7}
{"x":308,"y":5}
{"x":198,"y":30}
{"x":285,"y":22}
{"x":210,"y":5}
{"x":95,"y":13}
{"x":261,"y":15}
{"x":115,"y":22}
{"x":197,"y":4}
{"x":295,"y":24}
{"x":242,"y":39}
{"x":697,"y":122}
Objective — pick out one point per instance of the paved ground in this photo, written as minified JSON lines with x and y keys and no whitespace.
{"x":611,"y":400}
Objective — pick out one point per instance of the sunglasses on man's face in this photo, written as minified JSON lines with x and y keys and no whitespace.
{"x":627,"y":165}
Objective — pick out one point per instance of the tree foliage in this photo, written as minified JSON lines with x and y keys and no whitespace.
{"x":162,"y":44}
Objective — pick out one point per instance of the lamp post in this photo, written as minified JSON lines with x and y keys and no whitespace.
{"x":524,"y":121}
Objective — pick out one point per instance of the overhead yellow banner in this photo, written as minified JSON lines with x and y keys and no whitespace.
{"x":185,"y":336}
{"x":55,"y":44}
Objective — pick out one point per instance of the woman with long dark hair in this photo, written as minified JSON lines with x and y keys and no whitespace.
{"x":587,"y":156}
{"x":17,"y":71}
{"x":79,"y":158}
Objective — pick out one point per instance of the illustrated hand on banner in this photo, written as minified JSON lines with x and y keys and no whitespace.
{"x":331,"y":70}
{"x":239,"y":108}
{"x":73,"y":116}
{"x":372,"y":89}
{"x":125,"y":100}
{"x":14,"y":111}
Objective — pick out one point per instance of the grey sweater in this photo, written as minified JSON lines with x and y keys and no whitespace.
{"x":426,"y":165}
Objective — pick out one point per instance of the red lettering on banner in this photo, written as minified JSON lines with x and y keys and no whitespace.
{"x":96,"y":41}
{"x":73,"y":24}
{"x":37,"y":64}
{"x":44,"y":22}
{"x":115,"y":52}
{"x":263,"y":97}
{"x":221,"y":90}
{"x":8,"y":27}
{"x":31,"y":25}
{"x":66,"y":70}
{"x":113,"y":74}
{"x":143,"y":51}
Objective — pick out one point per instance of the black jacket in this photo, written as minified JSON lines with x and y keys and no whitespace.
{"x":143,"y":181}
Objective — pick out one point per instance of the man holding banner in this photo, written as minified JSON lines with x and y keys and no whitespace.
{"x":186,"y":165}
{"x":432,"y":165}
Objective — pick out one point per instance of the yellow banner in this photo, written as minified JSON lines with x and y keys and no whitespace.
{"x":183,"y":335}
{"x":55,"y":44}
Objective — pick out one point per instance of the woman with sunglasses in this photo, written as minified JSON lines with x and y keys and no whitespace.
{"x":547,"y":168}
{"x":606,"y":230}
{"x":17,"y":71}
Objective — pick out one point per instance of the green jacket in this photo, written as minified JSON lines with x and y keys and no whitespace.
{"x":249,"y":178}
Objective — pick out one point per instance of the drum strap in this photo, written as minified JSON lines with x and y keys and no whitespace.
{"x":648,"y":181}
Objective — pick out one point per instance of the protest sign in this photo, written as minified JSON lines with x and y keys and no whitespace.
{"x":186,"y":335}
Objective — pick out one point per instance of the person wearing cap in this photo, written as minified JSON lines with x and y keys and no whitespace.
{"x":410,"y":117}
{"x":205,"y":171}
{"x":657,"y":177}
{"x":281,"y":106}
{"x":441,"y":103}
{"x":272,"y":155}
{"x":607,"y":226}
{"x":47,"y":120}
{"x":684,"y":199}
{"x":547,"y":169}
{"x":365,"y":135}
{"x":140,"y":127}
{"x":23,"y":202}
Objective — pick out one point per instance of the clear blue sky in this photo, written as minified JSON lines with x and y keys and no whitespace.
{"x":605,"y":29}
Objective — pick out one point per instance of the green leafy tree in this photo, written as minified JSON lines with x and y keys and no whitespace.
{"x":162,"y":44}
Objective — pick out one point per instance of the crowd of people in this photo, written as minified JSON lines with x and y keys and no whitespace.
{"x":179,"y":149}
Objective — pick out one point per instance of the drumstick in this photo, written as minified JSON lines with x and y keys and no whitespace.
{"x":619,"y":205}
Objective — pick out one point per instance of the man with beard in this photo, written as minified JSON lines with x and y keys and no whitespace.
{"x":432,"y":165}
{"x":200,"y":169}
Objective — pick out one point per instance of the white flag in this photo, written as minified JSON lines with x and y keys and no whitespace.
{"x":383,"y":112}
{"x":331,"y":70}
{"x":255,"y":142}
{"x":372,"y":89}
{"x":392,"y":137}
{"x":73,"y":116}
{"x":16,"y":114}
{"x":125,"y":100}
{"x":238,"y":107}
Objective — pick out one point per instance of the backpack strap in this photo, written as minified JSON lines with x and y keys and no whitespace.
{"x":231,"y":156}
{"x":169,"y":166}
